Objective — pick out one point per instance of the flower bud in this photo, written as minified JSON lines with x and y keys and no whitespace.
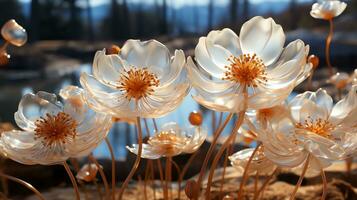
{"x":314,"y":60}
{"x":114,"y":49}
{"x":87,"y":173}
{"x":192,"y":190}
{"x":13,"y":33}
{"x":195,"y":118}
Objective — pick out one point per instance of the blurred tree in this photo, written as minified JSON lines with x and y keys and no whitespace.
{"x":210,"y":14}
{"x":245,"y":13}
{"x":163,"y":29}
{"x":233,"y":12}
{"x":294,"y":15}
{"x":34,"y":18}
{"x":89,"y":21}
{"x":115,"y":19}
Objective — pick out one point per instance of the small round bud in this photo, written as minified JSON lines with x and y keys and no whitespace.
{"x":4,"y":58}
{"x":192,"y":190}
{"x":114,"y":49}
{"x":314,"y":60}
{"x":195,"y":118}
{"x":13,"y":33}
{"x":87,"y":173}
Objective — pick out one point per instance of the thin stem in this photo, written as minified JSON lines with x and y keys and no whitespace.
{"x":266,"y":182}
{"x":309,"y":82}
{"x":213,"y":121}
{"x":179,"y":182}
{"x":221,"y":151}
{"x":167,"y":177}
{"x":328,"y":45}
{"x":349,"y":162}
{"x":161,"y":173}
{"x":324,"y":184}
{"x":151,"y":163}
{"x":98,"y":188}
{"x":102,"y":175}
{"x":112,"y":156}
{"x":245,"y":173}
{"x":155,"y":124}
{"x":187,"y":165}
{"x":298,"y":184}
{"x":228,"y":152}
{"x":256,"y":180}
{"x":211,"y":148}
{"x":73,"y":180}
{"x":24,"y":183}
{"x":220,"y":119}
{"x":146,"y":179}
{"x":137,"y":161}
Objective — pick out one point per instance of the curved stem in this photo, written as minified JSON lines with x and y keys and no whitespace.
{"x":151,"y":163}
{"x":24,"y":183}
{"x":245,"y":173}
{"x":327,"y":50}
{"x":228,"y":152}
{"x":4,"y":46}
{"x":73,"y":180}
{"x":221,"y":151}
{"x":266,"y":182}
{"x":179,"y":182}
{"x":324,"y":185}
{"x":137,"y":161}
{"x":256,"y":180}
{"x":211,"y":148}
{"x":110,"y":148}
{"x":161,"y":173}
{"x":213,"y":120}
{"x":298,"y":184}
{"x":101,"y":172}
{"x":167,"y":177}
{"x":349,"y":162}
{"x":187,"y":165}
{"x":309,"y":82}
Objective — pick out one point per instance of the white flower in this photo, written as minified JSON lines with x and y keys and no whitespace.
{"x":327,"y":9}
{"x":256,"y":59}
{"x":171,"y":140}
{"x":259,"y":163}
{"x":142,"y":80}
{"x":52,"y":131}
{"x":317,"y":127}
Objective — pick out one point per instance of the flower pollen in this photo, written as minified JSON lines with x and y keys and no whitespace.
{"x":54,"y":129}
{"x":137,"y":83}
{"x":317,"y":126}
{"x":246,"y":69}
{"x":167,"y":143}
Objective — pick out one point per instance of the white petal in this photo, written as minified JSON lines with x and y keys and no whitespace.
{"x":151,"y":54}
{"x":177,"y":64}
{"x":227,"y":39}
{"x":107,"y":68}
{"x":32,"y":107}
{"x":205,"y":60}
{"x":343,"y":109}
{"x":262,"y":37}
{"x":147,"y":151}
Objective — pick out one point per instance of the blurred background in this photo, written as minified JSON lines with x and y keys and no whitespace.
{"x":65,"y":34}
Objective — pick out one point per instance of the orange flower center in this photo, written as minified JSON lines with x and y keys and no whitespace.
{"x":167,"y":143}
{"x":137,"y":83}
{"x":317,"y":126}
{"x":246,"y":69}
{"x":54,"y":129}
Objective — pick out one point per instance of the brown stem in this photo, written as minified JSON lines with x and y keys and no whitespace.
{"x":266,"y":182}
{"x":112,"y":156}
{"x":137,"y":161}
{"x":228,"y":152}
{"x":298,"y":184}
{"x":349,"y":162}
{"x":256,"y":180}
{"x":146,"y":180}
{"x":155,"y":124}
{"x":102,"y":175}
{"x":187,"y":165}
{"x":179,"y":182}
{"x":213,"y":121}
{"x":324,"y":185}
{"x":211,"y":148}
{"x":73,"y":180}
{"x":161,"y":173}
{"x":245,"y":173}
{"x":151,"y":163}
{"x":4,"y":46}
{"x":98,"y":188}
{"x":309,"y":82}
{"x":24,"y":183}
{"x":328,"y":45}
{"x":221,"y":151}
{"x":167,"y":178}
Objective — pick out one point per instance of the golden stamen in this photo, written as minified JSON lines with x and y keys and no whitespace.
{"x":246,"y":69}
{"x":55,"y":129}
{"x":167,"y":142}
{"x":318,"y":126}
{"x":137,"y":83}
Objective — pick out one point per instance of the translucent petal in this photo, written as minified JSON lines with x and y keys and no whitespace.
{"x":227,"y":39}
{"x":32,"y":107}
{"x":177,"y":64}
{"x":147,"y":151}
{"x":205,"y":61}
{"x":344,"y":107}
{"x":151,"y":54}
{"x":262,"y":37}
{"x":199,"y":80}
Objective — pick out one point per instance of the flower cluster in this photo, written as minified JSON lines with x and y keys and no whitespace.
{"x":250,"y":75}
